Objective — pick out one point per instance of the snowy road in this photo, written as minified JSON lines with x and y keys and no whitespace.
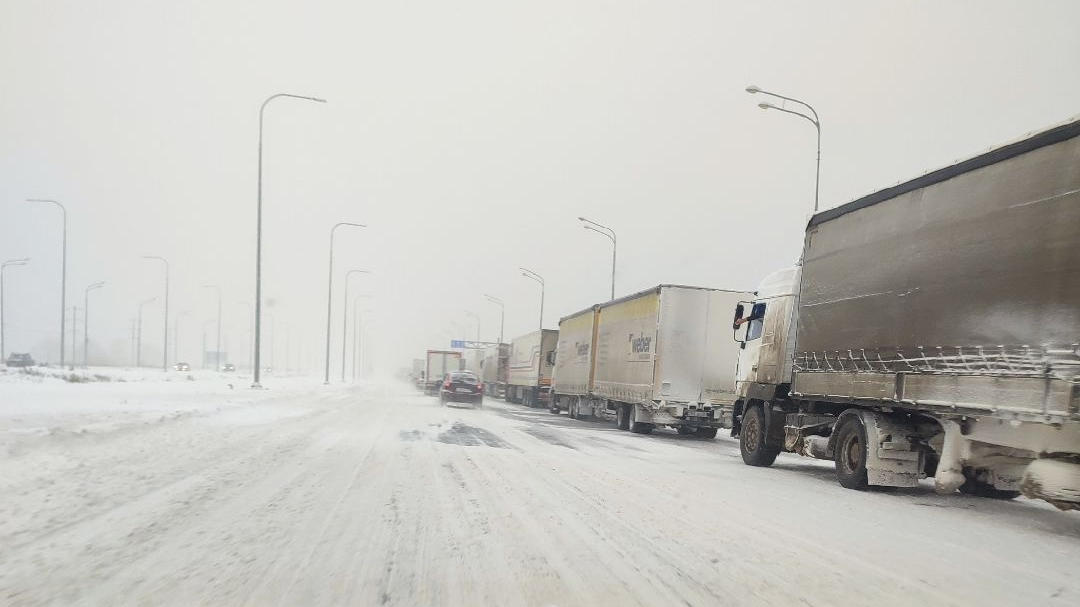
{"x":376,"y":495}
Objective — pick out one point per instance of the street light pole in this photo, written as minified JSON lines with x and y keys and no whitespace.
{"x":258,"y":231}
{"x":217,"y":348}
{"x":606,"y":231}
{"x":86,"y":324}
{"x":502,"y":313}
{"x":330,"y":293}
{"x":3,"y":318}
{"x":753,"y":90}
{"x":138,"y":333}
{"x":165,"y":347}
{"x":63,"y":275}
{"x":345,"y":318}
{"x":527,"y":273}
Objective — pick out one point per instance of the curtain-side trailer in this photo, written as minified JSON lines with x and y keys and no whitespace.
{"x":663,"y":356}
{"x":931,"y":330}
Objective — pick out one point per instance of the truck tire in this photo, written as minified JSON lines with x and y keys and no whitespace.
{"x":571,"y":409}
{"x":638,"y":427}
{"x":977,"y":488}
{"x":851,"y":454}
{"x":622,"y":417}
{"x":553,"y":408}
{"x":752,"y":439}
{"x":684,"y":430}
{"x":703,"y":432}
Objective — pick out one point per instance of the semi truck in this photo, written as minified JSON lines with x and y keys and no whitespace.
{"x":495,"y":369}
{"x":931,"y":330}
{"x":660,"y":357}
{"x":439,"y":363}
{"x":531,"y":361}
{"x":417,"y":373}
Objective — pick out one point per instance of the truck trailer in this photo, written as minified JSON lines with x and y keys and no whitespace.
{"x":663,"y":356}
{"x":439,"y":363}
{"x":932,"y":329}
{"x":495,"y":369}
{"x":532,"y":358}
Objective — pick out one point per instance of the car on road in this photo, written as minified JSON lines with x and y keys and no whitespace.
{"x":182,"y":367}
{"x":20,"y":360}
{"x":462,"y":387}
{"x":228,"y":367}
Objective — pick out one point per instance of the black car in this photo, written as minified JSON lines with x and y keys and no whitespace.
{"x":462,"y":387}
{"x":20,"y":360}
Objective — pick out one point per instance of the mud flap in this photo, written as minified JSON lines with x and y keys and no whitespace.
{"x":891,"y":459}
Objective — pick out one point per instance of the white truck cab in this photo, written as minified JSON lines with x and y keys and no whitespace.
{"x":768,"y":339}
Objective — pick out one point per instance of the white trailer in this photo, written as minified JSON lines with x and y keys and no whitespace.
{"x":931,"y":330}
{"x":495,"y":370}
{"x":439,"y":363}
{"x":661,"y":357}
{"x":572,"y":378}
{"x":532,"y":358}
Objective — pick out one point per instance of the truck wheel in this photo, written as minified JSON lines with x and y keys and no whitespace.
{"x":553,"y":408}
{"x":703,"y":432}
{"x":851,"y":454}
{"x":571,"y":410}
{"x":638,"y":427}
{"x":975,"y":487}
{"x":755,"y":451}
{"x":622,"y":417}
{"x":684,"y":430}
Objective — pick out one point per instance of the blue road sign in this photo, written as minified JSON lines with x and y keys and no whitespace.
{"x":457,"y":343}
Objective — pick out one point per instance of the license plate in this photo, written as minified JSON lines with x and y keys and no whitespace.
{"x":463,"y":391}
{"x":699,"y":413}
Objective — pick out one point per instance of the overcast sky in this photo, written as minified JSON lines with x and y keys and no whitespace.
{"x":469,"y":136}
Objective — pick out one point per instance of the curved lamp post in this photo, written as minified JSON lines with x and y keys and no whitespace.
{"x":10,"y":262}
{"x":813,"y":118}
{"x":330,"y":292}
{"x":258,"y":231}
{"x":610,"y":234}
{"x":345,"y":318}
{"x":86,"y":323}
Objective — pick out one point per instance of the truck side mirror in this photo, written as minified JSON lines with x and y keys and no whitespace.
{"x":740,"y":309}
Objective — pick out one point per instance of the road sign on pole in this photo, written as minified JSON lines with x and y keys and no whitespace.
{"x":457,"y":344}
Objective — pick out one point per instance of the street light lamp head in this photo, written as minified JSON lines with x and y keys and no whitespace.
{"x":319,"y":99}
{"x":766,"y":106}
{"x":753,"y":89}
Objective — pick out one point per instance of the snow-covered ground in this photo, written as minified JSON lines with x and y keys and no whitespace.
{"x":192,"y":492}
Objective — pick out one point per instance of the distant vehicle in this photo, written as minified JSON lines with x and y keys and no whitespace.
{"x":182,"y":367}
{"x":419,"y":381}
{"x":20,"y":360}
{"x":495,"y":370}
{"x":439,"y":363}
{"x":462,"y":387}
{"x":228,"y":367}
